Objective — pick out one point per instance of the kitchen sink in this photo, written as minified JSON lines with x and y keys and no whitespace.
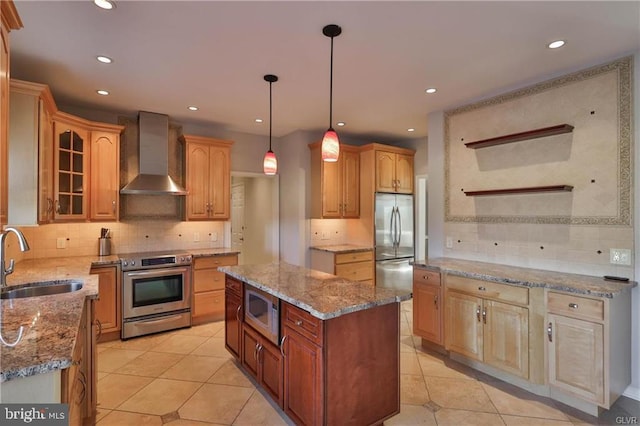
{"x":45,"y":288}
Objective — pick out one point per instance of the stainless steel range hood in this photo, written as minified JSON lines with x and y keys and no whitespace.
{"x":154,"y":179}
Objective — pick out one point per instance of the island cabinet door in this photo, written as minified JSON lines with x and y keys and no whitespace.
{"x":232,"y":323}
{"x":251,"y":345}
{"x":302,"y":379}
{"x":270,"y":361}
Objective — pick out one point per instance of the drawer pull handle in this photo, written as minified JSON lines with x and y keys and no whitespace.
{"x":482,"y":288}
{"x":484,"y":316}
{"x":550,"y":332}
{"x":425,"y":277}
{"x":573,"y":305}
{"x":435,"y":300}
{"x":478,"y":313}
{"x":299,"y":323}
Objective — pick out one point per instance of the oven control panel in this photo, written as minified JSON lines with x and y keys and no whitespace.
{"x":152,"y":261}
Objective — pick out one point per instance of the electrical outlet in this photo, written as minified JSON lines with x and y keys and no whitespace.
{"x":61,"y":243}
{"x":325,"y":235}
{"x":214,"y":236}
{"x":196,"y":237}
{"x":620,"y":256}
{"x":449,"y":242}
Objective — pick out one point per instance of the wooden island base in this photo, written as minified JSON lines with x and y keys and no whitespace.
{"x":339,"y":371}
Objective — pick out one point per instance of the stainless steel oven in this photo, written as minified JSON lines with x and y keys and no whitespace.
{"x":156,"y":293}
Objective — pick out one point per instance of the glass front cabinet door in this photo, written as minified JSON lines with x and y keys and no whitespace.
{"x":71,"y":167}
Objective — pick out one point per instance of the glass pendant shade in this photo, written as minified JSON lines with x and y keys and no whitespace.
{"x":330,"y":146}
{"x":270,"y":163}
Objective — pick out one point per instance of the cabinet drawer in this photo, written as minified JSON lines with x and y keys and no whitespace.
{"x":233,"y":286}
{"x":215,"y":261}
{"x":489,"y":290}
{"x":359,"y":271}
{"x":359,"y":256}
{"x":575,"y":306}
{"x":209,"y":303}
{"x":207,"y":280}
{"x":423,"y":276}
{"x":302,"y":322}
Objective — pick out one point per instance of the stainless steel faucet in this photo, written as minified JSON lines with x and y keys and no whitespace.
{"x":24,"y":246}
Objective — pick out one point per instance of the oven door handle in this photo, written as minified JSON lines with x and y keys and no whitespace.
{"x":159,"y":321}
{"x":156,"y":272}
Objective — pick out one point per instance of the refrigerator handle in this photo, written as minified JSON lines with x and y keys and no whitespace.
{"x":391,"y":230}
{"x":399,"y":225}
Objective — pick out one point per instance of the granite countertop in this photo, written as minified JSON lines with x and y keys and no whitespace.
{"x":207,"y":252}
{"x":342,"y":248}
{"x":323,"y":295}
{"x":50,"y":323}
{"x":573,"y":283}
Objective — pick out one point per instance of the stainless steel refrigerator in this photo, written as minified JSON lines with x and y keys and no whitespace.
{"x":394,"y":241}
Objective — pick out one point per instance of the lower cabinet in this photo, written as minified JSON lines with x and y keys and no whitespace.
{"x":428,"y":306}
{"x":78,"y":387}
{"x":490,"y":331}
{"x":208,"y":287}
{"x":233,"y":316}
{"x":108,"y":315}
{"x":263,"y":360}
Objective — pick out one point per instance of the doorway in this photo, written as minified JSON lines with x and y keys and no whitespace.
{"x":255,"y":217}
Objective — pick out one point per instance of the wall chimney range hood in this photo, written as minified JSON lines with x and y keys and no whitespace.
{"x":153,"y":177}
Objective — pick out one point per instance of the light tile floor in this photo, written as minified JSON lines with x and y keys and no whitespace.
{"x":187,"y":378}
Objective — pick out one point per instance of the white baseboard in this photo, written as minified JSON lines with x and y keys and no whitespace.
{"x":632,"y":392}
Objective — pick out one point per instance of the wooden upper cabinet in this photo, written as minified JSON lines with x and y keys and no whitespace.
{"x":208,"y":178}
{"x":335,"y":186}
{"x":105,"y":175}
{"x":394,"y":172}
{"x":9,"y":20}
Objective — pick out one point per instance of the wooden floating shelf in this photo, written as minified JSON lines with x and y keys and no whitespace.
{"x":530,"y":190}
{"x":517,"y":137}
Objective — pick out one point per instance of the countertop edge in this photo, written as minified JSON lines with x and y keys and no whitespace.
{"x":525,"y":283}
{"x":341,"y":248}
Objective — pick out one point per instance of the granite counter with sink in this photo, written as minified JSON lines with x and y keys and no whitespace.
{"x":50,"y":323}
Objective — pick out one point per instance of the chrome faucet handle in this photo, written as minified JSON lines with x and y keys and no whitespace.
{"x":20,"y":332}
{"x":9,"y":270}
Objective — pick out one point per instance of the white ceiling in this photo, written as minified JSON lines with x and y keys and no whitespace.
{"x":171,"y":54}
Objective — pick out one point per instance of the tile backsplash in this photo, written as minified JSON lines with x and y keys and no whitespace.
{"x":80,"y":239}
{"x":579,"y":249}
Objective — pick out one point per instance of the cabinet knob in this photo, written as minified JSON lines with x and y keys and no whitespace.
{"x":299,"y":323}
{"x":573,"y":305}
{"x":425,"y":277}
{"x":482,"y":288}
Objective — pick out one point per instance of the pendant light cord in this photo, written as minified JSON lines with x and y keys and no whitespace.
{"x":331,"y":89}
{"x":270,"y":114}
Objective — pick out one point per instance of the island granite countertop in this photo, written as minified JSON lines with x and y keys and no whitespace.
{"x":528,"y":277}
{"x":50,"y":323}
{"x":323,"y":295}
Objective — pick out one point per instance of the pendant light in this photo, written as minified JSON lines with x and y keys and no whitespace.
{"x":270,"y":163}
{"x":330,"y":142}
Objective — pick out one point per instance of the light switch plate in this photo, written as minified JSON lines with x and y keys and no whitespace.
{"x":196,"y":237}
{"x":620,"y":256}
{"x":325,"y":235}
{"x":61,"y":243}
{"x":449,"y":242}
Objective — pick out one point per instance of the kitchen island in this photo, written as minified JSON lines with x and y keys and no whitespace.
{"x":337,"y":358}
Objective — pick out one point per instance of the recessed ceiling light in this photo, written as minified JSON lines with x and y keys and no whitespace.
{"x":102,"y":92}
{"x":431,"y":90}
{"x":193,"y":108}
{"x":104,"y":4}
{"x":104,"y":59}
{"x":411,"y":129}
{"x":341,"y":123}
{"x":555,"y":44}
{"x":258,"y":120}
